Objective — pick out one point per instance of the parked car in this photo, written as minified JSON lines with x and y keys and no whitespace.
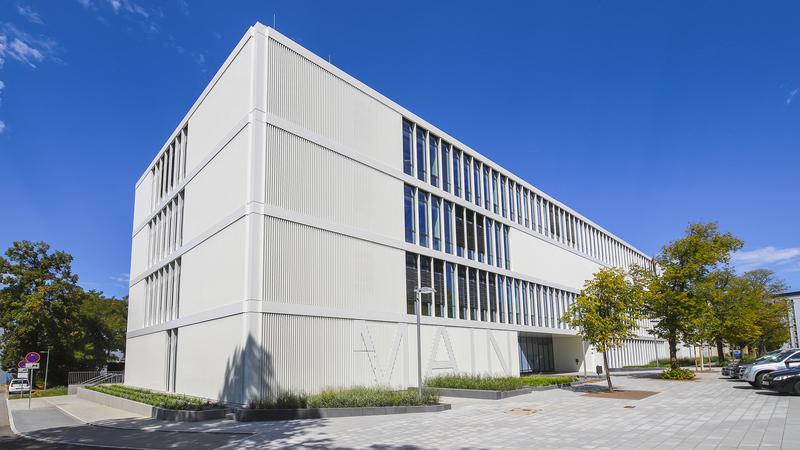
{"x":739,"y":372}
{"x":731,"y":368}
{"x":18,"y":386}
{"x":787,"y":358}
{"x":785,"y":381}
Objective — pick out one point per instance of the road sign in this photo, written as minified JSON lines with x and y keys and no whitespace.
{"x":31,"y":365}
{"x":22,"y":375}
{"x":21,"y":364}
{"x":32,"y":357}
{"x":22,"y":370}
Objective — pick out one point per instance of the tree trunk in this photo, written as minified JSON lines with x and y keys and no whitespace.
{"x":720,"y":352}
{"x":608,"y":374}
{"x":673,"y":353}
{"x":762,"y":348}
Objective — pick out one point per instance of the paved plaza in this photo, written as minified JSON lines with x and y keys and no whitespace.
{"x":710,"y":412}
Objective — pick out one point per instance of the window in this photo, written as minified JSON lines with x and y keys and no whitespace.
{"x":422,"y":207}
{"x":409,"y":213}
{"x":411,"y":282}
{"x":527,"y":208}
{"x":493,"y":297}
{"x":489,"y":242}
{"x":433,"y":160}
{"x":462,"y":292}
{"x":539,"y":213}
{"x":501,"y":298}
{"x":498,"y":240}
{"x":481,"y":232}
{"x":421,"y":171}
{"x":473,"y":294}
{"x":446,"y":166}
{"x":438,"y":285}
{"x":486,"y":197}
{"x":509,"y":301}
{"x":470,"y":234}
{"x":519,"y":205}
{"x":476,"y":182}
{"x":525,"y":312}
{"x":503,"y":195}
{"x":448,"y":227}
{"x":505,"y":247}
{"x":460,"y":238}
{"x":511,"y":209}
{"x":467,"y":176}
{"x":483,"y":290}
{"x":457,"y":172}
{"x":425,"y":280}
{"x":436,"y":222}
{"x":408,"y":158}
{"x":449,"y":290}
{"x":494,"y":192}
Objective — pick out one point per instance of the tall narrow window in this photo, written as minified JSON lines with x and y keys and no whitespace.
{"x":498,"y":245}
{"x":425,"y":280}
{"x":489,"y":242}
{"x":460,"y":237}
{"x":446,"y":166}
{"x":505,"y":248}
{"x":525,"y":202}
{"x":519,"y":205}
{"x":408,"y":158}
{"x":422,"y":214}
{"x":501,"y":298}
{"x":470,"y":234}
{"x":476,"y":182}
{"x":494,"y":192}
{"x":457,"y":172}
{"x":462,"y":292}
{"x":525,"y":312}
{"x":539,"y":214}
{"x":433,"y":159}
{"x":438,"y":285}
{"x":436,"y":222}
{"x":481,"y":232}
{"x":421,"y":167}
{"x":448,"y":227}
{"x":486,"y":197}
{"x":411,"y":282}
{"x":511,"y":210}
{"x":467,"y":176}
{"x":517,"y":303}
{"x":493,"y":297}
{"x":510,"y":300}
{"x":450,"y":290}
{"x":484,"y":297}
{"x":503,"y":195}
{"x":409,"y":213}
{"x":473,"y":294}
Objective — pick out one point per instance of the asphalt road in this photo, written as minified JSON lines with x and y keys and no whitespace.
{"x":8,"y":440}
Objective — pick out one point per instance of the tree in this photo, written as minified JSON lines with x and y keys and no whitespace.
{"x":39,"y":302}
{"x":606,"y":312}
{"x":771,"y":312}
{"x":733,"y":310}
{"x":674,"y":299}
{"x":41,"y":306}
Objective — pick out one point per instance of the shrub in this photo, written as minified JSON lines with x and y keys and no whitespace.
{"x":356,"y":397}
{"x":677,"y":374}
{"x":159,"y":399}
{"x":486,"y":383}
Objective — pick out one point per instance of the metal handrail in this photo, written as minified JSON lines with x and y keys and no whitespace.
{"x":78,"y":378}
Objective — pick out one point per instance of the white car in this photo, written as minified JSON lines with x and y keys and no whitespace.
{"x":18,"y":386}
{"x":785,"y":359}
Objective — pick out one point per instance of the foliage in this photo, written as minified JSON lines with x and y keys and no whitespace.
{"x":662,"y":362}
{"x":772,"y":311}
{"x":675,"y":297}
{"x":159,"y":399}
{"x":51,"y":392}
{"x":356,"y":397}
{"x":606,"y":312}
{"x":42,"y":306}
{"x":677,"y":374}
{"x":486,"y":383}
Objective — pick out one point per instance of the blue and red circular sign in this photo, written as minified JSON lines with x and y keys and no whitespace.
{"x":21,"y":364}
{"x":32,"y":357}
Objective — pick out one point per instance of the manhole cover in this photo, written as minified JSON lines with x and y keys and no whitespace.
{"x":522,"y":411}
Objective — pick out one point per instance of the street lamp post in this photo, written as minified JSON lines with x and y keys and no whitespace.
{"x":46,"y":365}
{"x":419,"y":291}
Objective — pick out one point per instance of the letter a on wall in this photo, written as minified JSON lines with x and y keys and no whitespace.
{"x":440,"y":337}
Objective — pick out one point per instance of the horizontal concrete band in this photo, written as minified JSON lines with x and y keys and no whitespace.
{"x":254,"y":415}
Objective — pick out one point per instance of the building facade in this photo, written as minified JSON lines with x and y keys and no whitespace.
{"x":793,"y":302}
{"x":282,"y":229}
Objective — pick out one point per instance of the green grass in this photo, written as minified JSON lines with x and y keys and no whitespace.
{"x":485,"y":383}
{"x":52,"y":392}
{"x":665,"y":363}
{"x":160,"y":399}
{"x":356,"y":397}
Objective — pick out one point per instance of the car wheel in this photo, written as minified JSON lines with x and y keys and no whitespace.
{"x":759,"y":379}
{"x":752,"y":383}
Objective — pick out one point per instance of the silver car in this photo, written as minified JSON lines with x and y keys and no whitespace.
{"x":19,"y":386}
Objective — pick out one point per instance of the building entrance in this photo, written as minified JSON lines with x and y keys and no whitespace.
{"x":535,"y":354}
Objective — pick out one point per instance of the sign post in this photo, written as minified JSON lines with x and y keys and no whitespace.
{"x":31,"y":362}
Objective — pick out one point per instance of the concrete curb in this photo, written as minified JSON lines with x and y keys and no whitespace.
{"x":257,"y":415}
{"x":171,"y":415}
{"x":499,"y":395}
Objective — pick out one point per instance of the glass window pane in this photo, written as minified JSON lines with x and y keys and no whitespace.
{"x":481,"y":235}
{"x":489,"y":242}
{"x":486,"y":198}
{"x":433,"y":159}
{"x":450,"y":290}
{"x":438,"y":285}
{"x":436,"y":222}
{"x":494,"y":192}
{"x":421,"y":167}
{"x":409,"y":213}
{"x":462,"y":292}
{"x":505,"y":247}
{"x":422,"y":214}
{"x":467,"y":176}
{"x":493,"y":297}
{"x":446,"y":166}
{"x":473,"y":294}
{"x":408,"y":161}
{"x":476,"y":182}
{"x":425,"y":280}
{"x":457,"y":172}
{"x":470,"y":234}
{"x":411,"y":282}
{"x":483,"y":290}
{"x":448,"y":227}
{"x":460,"y":238}
{"x":501,"y":298}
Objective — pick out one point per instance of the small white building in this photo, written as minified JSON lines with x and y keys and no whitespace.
{"x":280,"y":232}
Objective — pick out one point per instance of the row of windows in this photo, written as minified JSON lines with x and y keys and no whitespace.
{"x":165,"y":230}
{"x":444,"y":226}
{"x":162,"y":294}
{"x":170,"y":169}
{"x":472,"y":294}
{"x":435,"y":161}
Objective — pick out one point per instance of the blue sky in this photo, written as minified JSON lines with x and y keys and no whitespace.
{"x":643,"y":116}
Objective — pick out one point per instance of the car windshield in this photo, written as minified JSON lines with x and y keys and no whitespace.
{"x":778,"y":356}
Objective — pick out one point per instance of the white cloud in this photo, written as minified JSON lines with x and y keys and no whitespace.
{"x":2,"y":86}
{"x":2,"y":126}
{"x":28,"y":13}
{"x":128,"y":6}
{"x":23,"y":47}
{"x":766,"y":256}
{"x":792,"y":94}
{"x":85,"y":3}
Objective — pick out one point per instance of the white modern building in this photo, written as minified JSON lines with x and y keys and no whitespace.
{"x":280,"y":233}
{"x":793,"y":302}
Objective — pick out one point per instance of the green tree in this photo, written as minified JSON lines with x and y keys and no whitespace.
{"x":102,"y":333}
{"x":675,"y":299}
{"x":771,"y":311}
{"x":39,"y":300}
{"x":606,"y":312}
